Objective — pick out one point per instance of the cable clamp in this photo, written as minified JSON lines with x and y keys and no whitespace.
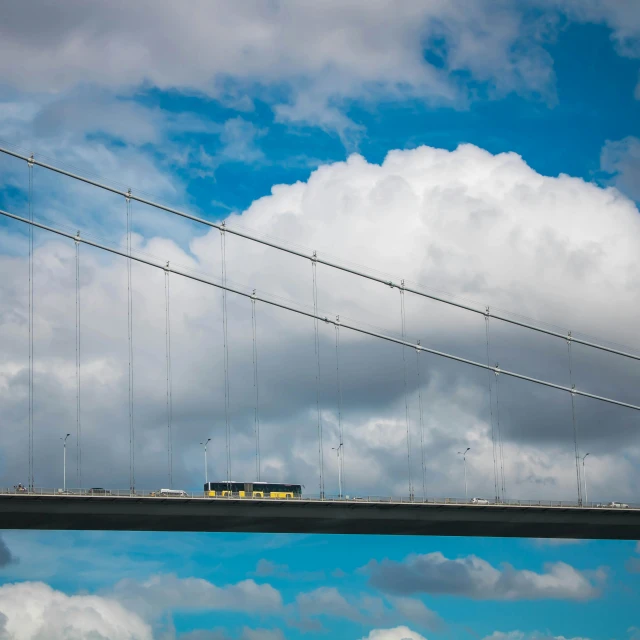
{"x":166,"y":267}
{"x":418,"y":346}
{"x":402,"y":285}
{"x":573,"y":389}
{"x":326,"y":319}
{"x":487,"y":313}
{"x":77,"y":238}
{"x":496,"y":369}
{"x":314,"y":257}
{"x":391,"y":284}
{"x":337,"y":322}
{"x":31,"y":161}
{"x":127,"y":196}
{"x":569,"y":337}
{"x":253,"y":295}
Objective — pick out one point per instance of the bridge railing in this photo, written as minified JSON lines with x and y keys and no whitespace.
{"x":192,"y":495}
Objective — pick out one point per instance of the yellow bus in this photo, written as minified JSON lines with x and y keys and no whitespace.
{"x":252,"y":490}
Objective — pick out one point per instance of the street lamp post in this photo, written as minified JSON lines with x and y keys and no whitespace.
{"x":338,"y":451}
{"x":64,"y":462}
{"x":584,"y":475}
{"x":464,"y":461}
{"x":206,"y":469}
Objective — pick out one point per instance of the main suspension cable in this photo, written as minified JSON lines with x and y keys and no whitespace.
{"x":328,"y":263}
{"x":339,"y":389}
{"x":31,"y":480}
{"x":256,"y":385}
{"x":225,"y":339}
{"x":302,"y":312}
{"x":406,"y":401}
{"x":167,"y":301}
{"x":317,"y":352}
{"x":573,"y":418}
{"x":421,"y":414}
{"x":493,"y":430}
{"x":132,"y":476}
{"x":78,"y":371}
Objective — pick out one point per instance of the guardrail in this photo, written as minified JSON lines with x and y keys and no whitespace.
{"x":125,"y":493}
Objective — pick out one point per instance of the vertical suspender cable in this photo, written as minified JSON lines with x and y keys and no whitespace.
{"x":225,"y":339}
{"x":573,"y":417}
{"x":406,"y":401}
{"x":256,"y":386}
{"x":420,"y":408}
{"x":78,"y":372}
{"x":317,"y":351}
{"x":339,"y":389}
{"x":493,"y":431}
{"x":500,"y":447}
{"x":132,"y":477}
{"x":167,"y":332}
{"x":31,"y":469}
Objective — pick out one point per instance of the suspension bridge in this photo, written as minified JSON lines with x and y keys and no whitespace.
{"x":414,"y":513}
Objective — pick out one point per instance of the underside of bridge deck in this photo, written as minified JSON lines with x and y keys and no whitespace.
{"x":309,"y":516}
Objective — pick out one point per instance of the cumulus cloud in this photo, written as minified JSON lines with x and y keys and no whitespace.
{"x":364,"y":608}
{"x":558,"y":249}
{"x":475,"y":578}
{"x":163,"y":593}
{"x":397,"y":633}
{"x":32,"y":610}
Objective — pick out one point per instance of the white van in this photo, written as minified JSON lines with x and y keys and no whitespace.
{"x":173,"y":493}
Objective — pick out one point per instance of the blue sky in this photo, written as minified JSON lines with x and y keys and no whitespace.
{"x":489,"y":151}
{"x":117,"y":565}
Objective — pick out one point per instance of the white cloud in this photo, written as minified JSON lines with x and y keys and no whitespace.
{"x":163,"y":593}
{"x":397,"y":633}
{"x":487,"y":227}
{"x":415,"y":611}
{"x":363,"y":608}
{"x":621,"y":159}
{"x":262,"y":634}
{"x":621,"y":17}
{"x":475,"y":578}
{"x":325,"y":601}
{"x":317,"y":57}
{"x":556,"y":542}
{"x":32,"y":610}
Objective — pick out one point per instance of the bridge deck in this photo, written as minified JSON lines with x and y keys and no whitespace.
{"x":135,"y":513}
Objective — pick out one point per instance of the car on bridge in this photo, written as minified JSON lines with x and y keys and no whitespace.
{"x":170,"y":493}
{"x":617,"y":505}
{"x":479,"y":501}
